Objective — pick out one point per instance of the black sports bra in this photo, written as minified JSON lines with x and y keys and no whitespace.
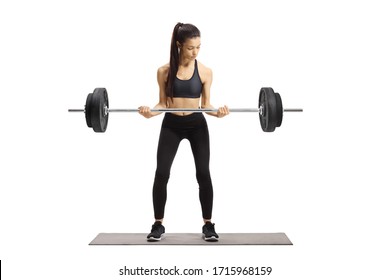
{"x":191,"y":88}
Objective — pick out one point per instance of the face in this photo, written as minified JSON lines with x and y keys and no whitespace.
{"x":190,"y":49}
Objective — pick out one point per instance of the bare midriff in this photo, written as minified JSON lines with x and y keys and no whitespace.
{"x":180,"y":102}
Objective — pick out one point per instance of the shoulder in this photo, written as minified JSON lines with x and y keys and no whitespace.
{"x":163,"y":69}
{"x":203,"y":68}
{"x":205,"y":72}
{"x":162,"y":72}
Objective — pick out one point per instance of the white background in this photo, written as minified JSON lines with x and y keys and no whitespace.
{"x":321,"y":178}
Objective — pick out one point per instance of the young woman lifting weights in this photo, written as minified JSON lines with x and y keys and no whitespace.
{"x":184,"y":83}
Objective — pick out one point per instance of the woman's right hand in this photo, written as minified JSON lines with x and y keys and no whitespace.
{"x":145,"y":111}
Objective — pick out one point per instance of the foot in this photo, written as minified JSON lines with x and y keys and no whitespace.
{"x":209,"y":233}
{"x":157,"y":232}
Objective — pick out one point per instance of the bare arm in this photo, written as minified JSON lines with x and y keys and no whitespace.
{"x":205,"y":102}
{"x":162,"y":74}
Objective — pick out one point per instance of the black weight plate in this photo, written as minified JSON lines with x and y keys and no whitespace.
{"x":99,"y":101}
{"x":269,"y":118}
{"x":88,"y":110}
{"x":279,"y":109}
{"x":263,"y":120}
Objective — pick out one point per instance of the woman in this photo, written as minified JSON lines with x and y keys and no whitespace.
{"x":183,"y":83}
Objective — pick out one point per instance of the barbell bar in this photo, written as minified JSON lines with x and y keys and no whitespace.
{"x":189,"y":110}
{"x":270,"y":110}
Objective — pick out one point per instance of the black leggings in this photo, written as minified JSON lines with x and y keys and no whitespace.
{"x":174,"y":129}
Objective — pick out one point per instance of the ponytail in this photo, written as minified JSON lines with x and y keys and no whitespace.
{"x":180,"y":34}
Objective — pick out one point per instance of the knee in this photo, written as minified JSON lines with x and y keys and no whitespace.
{"x":203,"y":177}
{"x":162,"y":176}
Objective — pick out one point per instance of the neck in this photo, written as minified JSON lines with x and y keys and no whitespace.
{"x":185,"y":62}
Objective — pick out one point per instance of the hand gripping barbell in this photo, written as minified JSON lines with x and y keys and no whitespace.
{"x":270,"y":110}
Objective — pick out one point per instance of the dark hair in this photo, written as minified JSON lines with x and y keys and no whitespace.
{"x":181,"y":33}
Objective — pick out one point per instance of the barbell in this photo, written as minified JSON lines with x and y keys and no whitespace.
{"x":270,"y":110}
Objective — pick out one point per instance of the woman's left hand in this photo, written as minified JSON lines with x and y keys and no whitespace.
{"x":223,"y":111}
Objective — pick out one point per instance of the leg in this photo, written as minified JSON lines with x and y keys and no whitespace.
{"x":167,"y":147}
{"x":200,"y":145}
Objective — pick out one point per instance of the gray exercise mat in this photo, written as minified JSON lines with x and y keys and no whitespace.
{"x":192,"y":239}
